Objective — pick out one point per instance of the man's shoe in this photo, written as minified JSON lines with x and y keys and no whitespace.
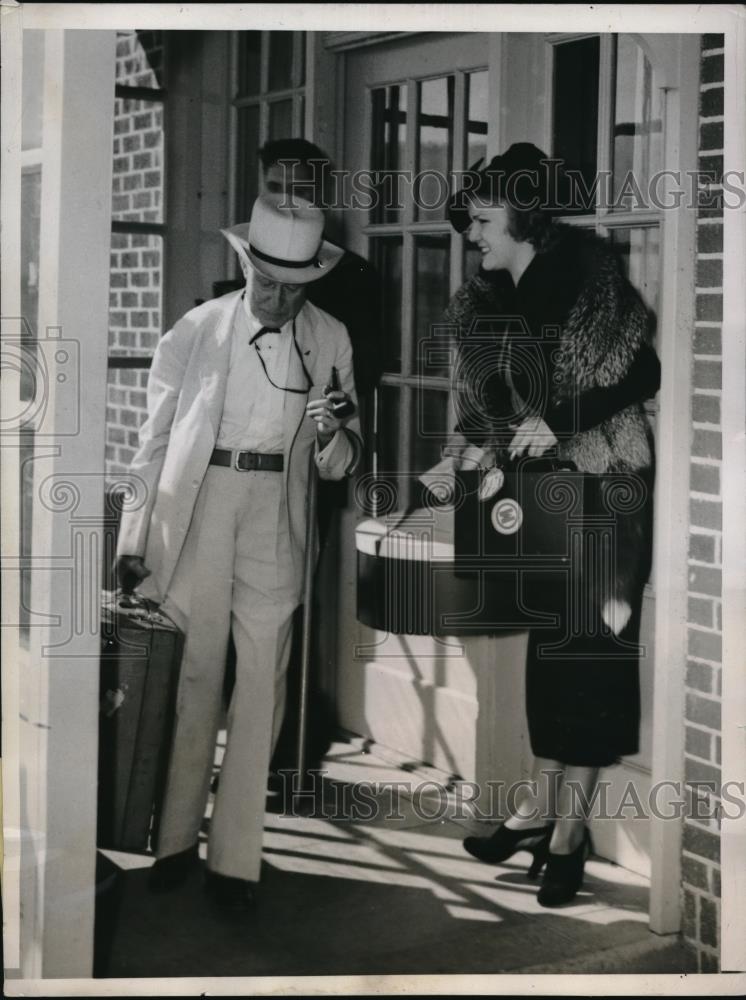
{"x":234,"y":896}
{"x":170,"y":872}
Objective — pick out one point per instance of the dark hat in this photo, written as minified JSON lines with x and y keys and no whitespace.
{"x":523,"y":176}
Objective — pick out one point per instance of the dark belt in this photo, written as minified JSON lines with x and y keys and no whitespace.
{"x":247,"y":461}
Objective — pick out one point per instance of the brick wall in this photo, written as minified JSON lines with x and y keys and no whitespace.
{"x":701,"y":841}
{"x":135,"y":319}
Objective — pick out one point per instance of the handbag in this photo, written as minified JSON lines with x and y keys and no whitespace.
{"x":528,"y":533}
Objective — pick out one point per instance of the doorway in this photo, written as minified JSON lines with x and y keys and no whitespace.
{"x":440,"y":102}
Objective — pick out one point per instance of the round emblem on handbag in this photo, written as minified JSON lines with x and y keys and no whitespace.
{"x":507,"y":517}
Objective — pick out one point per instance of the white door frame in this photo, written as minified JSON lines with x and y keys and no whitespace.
{"x":672,"y":481}
{"x":678,"y":69}
{"x":50,"y":706}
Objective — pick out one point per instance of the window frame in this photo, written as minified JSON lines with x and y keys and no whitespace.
{"x":263,"y":100}
{"x":408,"y":380}
{"x":603,"y":220}
{"x":158,"y":95}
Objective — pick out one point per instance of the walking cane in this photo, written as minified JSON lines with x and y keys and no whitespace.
{"x":308,"y":572}
{"x":342,"y":408}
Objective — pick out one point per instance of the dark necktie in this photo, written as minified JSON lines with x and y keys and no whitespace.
{"x":261,"y":331}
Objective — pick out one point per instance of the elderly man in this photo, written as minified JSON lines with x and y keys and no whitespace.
{"x":350,"y":293}
{"x":235,"y":409}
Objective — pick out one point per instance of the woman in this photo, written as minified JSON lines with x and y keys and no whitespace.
{"x":577,"y":395}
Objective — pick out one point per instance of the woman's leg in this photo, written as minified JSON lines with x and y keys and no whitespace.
{"x":573,"y":804}
{"x":539,"y":804}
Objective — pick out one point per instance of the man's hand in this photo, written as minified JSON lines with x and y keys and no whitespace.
{"x":320,"y":410}
{"x":131,"y":570}
{"x":532,"y":435}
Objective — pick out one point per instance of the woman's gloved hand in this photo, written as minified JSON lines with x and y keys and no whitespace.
{"x":532,"y":436}
{"x":131,"y":571}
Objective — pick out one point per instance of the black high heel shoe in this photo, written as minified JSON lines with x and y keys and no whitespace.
{"x":504,"y":843}
{"x":563,"y":875}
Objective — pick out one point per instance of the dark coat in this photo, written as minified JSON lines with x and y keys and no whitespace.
{"x":591,"y":329}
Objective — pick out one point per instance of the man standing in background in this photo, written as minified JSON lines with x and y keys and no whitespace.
{"x":349,"y":293}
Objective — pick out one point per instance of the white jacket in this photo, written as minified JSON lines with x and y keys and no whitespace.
{"x":186,"y":391}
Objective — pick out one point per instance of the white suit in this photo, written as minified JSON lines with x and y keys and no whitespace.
{"x":226,"y":550}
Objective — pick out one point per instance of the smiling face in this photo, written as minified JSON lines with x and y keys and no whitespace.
{"x":274,"y":302}
{"x":489,"y":230}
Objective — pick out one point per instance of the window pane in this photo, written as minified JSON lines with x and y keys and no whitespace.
{"x":135,"y":294}
{"x":140,"y":59}
{"x":29,"y":388}
{"x":280,"y":60}
{"x":281,"y":119}
{"x":247,"y":186}
{"x":430,"y":424}
{"x":30,"y":231}
{"x":26,"y":461}
{"x":126,"y":410}
{"x":137,"y":186}
{"x":386,"y":254}
{"x":639,"y":249}
{"x":432,"y":262}
{"x":302,"y":67}
{"x":434,"y":147}
{"x":476,"y":117}
{"x":302,"y":115}
{"x":637,"y":125}
{"x":249,"y":62}
{"x":32,"y":88}
{"x":388,"y":150}
{"x":389,"y":428}
{"x":575,"y":127}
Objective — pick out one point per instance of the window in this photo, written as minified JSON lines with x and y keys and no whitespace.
{"x":31,"y":181}
{"x":614,"y":72}
{"x":269,"y":101}
{"x":433,"y":127}
{"x":137,"y":239}
{"x":607,"y":123}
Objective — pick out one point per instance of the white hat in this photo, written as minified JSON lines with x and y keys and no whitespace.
{"x":283,"y":240}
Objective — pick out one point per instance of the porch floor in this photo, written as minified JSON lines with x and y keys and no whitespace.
{"x":392,"y":893}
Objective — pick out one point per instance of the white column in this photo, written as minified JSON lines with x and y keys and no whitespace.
{"x":58,"y":691}
{"x":10,"y":257}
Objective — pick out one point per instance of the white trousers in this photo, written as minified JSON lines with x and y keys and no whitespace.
{"x":235,"y":572}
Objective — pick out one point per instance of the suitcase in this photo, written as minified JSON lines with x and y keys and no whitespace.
{"x":411,"y":582}
{"x":139,"y":671}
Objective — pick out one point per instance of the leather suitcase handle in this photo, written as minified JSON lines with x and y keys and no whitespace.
{"x":130,"y":600}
